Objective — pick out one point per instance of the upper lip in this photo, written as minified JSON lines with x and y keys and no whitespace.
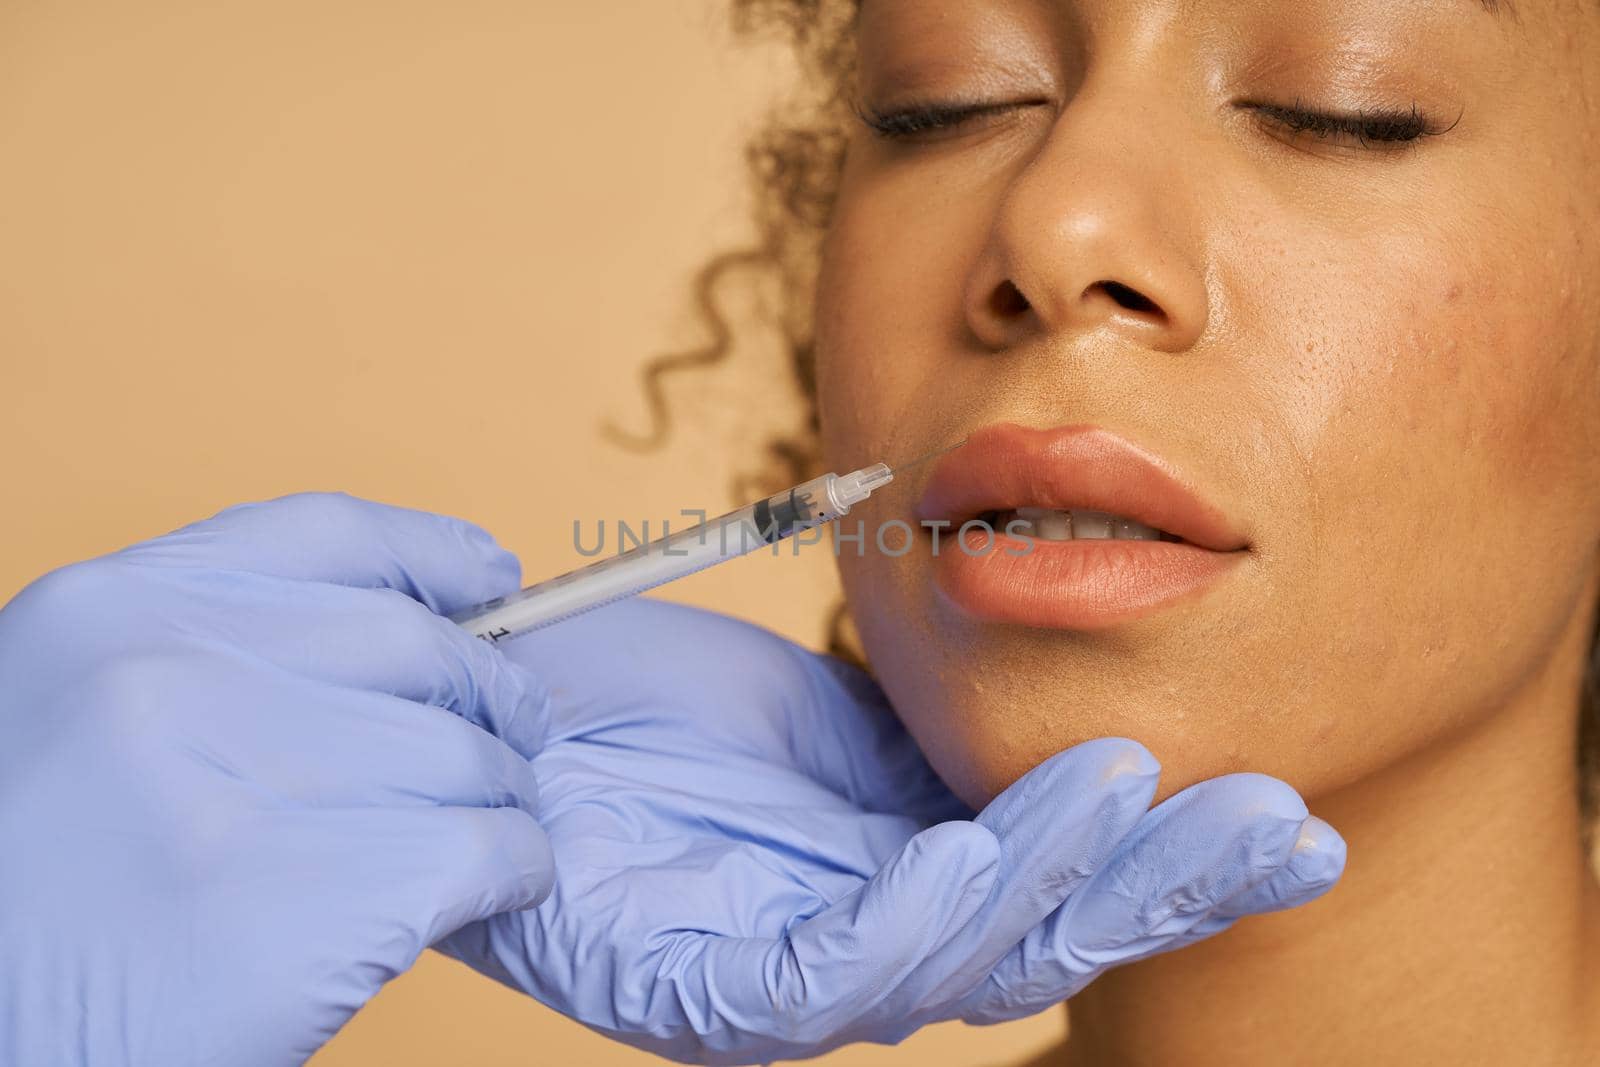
{"x":1006,"y":466}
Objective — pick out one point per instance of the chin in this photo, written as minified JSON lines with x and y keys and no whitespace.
{"x":984,"y":718}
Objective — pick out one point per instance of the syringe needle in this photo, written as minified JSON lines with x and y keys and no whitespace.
{"x":677,"y":555}
{"x":901,"y":468}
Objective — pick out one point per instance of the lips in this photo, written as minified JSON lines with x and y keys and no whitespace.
{"x":1007,"y":466}
{"x":1080,"y":583}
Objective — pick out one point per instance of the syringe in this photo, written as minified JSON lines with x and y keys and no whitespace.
{"x":676,"y":555}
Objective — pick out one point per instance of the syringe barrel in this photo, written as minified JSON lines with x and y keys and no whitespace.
{"x":673,"y":556}
{"x":806,"y":505}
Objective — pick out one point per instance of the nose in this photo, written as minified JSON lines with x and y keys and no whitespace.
{"x":1091,"y":235}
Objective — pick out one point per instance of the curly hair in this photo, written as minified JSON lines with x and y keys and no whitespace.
{"x":795,"y":161}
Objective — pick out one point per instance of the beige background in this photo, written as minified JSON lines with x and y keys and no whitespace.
{"x":415,"y":251}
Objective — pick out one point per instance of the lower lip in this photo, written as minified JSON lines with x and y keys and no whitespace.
{"x":1087,"y":584}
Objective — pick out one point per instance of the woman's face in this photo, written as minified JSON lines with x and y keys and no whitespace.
{"x":1375,"y":360}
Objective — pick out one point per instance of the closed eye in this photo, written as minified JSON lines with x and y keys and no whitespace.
{"x":1382,"y":127}
{"x":920,"y":120}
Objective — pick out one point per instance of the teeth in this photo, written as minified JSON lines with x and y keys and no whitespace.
{"x":1095,"y":524}
{"x":1048,"y":524}
{"x":1128,"y":530}
{"x":1063,"y":524}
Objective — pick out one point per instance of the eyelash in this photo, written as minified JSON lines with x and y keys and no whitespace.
{"x":909,"y":122}
{"x":1383,"y":127}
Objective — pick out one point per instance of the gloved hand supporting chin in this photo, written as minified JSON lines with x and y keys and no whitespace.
{"x":756,"y":863}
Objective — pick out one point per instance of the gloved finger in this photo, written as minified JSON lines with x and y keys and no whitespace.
{"x":374,"y":639}
{"x":805,"y":988}
{"x":317,"y":746}
{"x":1056,"y":825}
{"x":1313,"y":868}
{"x":317,"y":909}
{"x":443,"y":562}
{"x":423,"y":873}
{"x":1195,"y":849}
{"x":795,"y":708}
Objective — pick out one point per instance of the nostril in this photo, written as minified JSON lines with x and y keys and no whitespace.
{"x":1007,"y":301}
{"x":1128,"y":298}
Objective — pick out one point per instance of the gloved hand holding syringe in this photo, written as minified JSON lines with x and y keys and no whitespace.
{"x":254,"y":773}
{"x":807,"y":506}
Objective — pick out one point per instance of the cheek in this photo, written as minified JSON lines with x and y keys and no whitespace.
{"x":888,"y":310}
{"x":1443,"y":423}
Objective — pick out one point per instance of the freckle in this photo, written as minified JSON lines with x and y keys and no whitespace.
{"x":1452,"y":294}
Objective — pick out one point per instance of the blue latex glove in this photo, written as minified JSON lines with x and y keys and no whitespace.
{"x":243,"y":782}
{"x":756,"y":863}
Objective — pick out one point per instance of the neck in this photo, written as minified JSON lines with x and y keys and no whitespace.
{"x":1465,"y":928}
